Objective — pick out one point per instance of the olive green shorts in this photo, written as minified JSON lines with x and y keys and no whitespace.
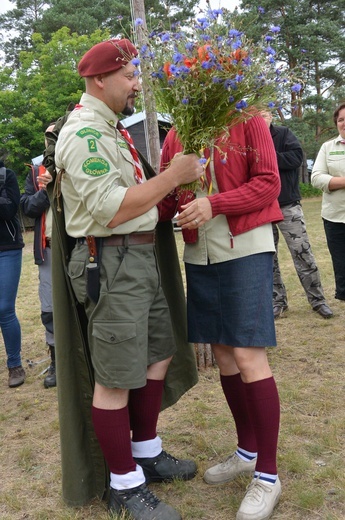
{"x":130,"y":327}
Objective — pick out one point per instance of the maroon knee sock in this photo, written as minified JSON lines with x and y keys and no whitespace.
{"x":144,"y":407}
{"x":264,"y":409}
{"x":235,"y":394}
{"x":114,"y":436}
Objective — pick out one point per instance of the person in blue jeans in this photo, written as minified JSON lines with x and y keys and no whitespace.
{"x":11,"y":246}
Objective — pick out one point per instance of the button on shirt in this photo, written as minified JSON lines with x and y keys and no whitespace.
{"x":98,"y":171}
{"x":329,"y":163}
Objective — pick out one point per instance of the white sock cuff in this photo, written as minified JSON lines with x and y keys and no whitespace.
{"x":128,"y":480}
{"x":147,"y":449}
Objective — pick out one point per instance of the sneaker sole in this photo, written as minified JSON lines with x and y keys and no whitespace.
{"x":220,"y":482}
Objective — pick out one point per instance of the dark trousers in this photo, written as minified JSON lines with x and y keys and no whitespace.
{"x":335,"y":235}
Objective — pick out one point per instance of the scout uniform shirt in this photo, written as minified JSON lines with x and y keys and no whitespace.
{"x":99,"y":168}
{"x":329,"y":163}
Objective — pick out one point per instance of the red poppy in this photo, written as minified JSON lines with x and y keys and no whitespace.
{"x":166,"y":69}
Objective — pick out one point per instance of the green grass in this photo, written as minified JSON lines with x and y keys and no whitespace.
{"x":308,"y":364}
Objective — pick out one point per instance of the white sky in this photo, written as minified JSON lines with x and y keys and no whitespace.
{"x":5,"y":5}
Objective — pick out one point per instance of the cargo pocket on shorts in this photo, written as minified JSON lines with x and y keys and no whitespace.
{"x":76,"y":272}
{"x":115,"y":352}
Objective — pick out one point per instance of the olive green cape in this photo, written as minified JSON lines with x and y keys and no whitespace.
{"x":84,"y":472}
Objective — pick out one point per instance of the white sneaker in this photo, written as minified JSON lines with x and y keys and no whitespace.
{"x":231,"y":468}
{"x":260,"y":500}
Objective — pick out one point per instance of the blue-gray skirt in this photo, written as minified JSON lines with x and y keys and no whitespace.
{"x":230,"y":303}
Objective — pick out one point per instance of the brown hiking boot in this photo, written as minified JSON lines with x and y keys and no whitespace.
{"x":16,"y":376}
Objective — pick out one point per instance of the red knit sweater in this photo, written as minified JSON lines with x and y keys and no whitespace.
{"x":248,"y":180}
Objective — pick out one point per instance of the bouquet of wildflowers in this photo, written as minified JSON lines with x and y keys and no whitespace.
{"x":209,"y":77}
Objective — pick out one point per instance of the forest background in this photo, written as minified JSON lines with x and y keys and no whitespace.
{"x":42,"y":41}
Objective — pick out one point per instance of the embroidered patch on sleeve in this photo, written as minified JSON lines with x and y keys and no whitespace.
{"x":92,"y":145}
{"x":96,"y":166}
{"x":86,"y":131}
{"x":122,"y":144}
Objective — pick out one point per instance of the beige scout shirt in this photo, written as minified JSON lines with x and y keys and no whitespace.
{"x":215,"y":243}
{"x":329,"y":163}
{"x":99,"y":169}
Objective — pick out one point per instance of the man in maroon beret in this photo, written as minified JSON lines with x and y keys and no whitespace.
{"x":110,"y":202}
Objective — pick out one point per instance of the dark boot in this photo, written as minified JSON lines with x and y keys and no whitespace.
{"x":50,"y":379}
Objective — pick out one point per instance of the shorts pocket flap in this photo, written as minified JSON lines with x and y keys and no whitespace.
{"x":75,"y":269}
{"x":113,"y":332}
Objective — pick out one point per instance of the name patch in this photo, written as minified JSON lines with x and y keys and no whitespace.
{"x":96,"y":166}
{"x":337,"y":153}
{"x":83,"y":132}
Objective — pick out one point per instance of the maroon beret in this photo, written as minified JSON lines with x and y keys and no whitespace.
{"x":106,"y":56}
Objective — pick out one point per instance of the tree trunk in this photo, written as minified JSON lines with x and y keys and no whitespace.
{"x":150,"y":121}
{"x":204,"y":356}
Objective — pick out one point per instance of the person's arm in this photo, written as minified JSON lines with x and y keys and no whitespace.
{"x":9,"y":196}
{"x":291,"y":157}
{"x":138,"y":199}
{"x":321,"y":178}
{"x":33,"y":202}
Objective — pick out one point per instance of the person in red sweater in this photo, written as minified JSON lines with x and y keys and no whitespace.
{"x":229,"y":247}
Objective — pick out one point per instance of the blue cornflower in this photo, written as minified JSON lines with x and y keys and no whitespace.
{"x":231,"y":99}
{"x":241,"y":104}
{"x":215,"y":79}
{"x":177,"y":57}
{"x":234,"y":33}
{"x":178,"y":36}
{"x":206,"y":65}
{"x":296,"y":87}
{"x":270,"y":51}
{"x":185,"y":101}
{"x":261,"y":10}
{"x":138,"y":21}
{"x":271,"y":104}
{"x":275,"y":29}
{"x":189,"y":46}
{"x":159,"y":74}
{"x":237,"y":44}
{"x":203,"y":160}
{"x":239,"y":78}
{"x":184,"y":69}
{"x":165,"y":37}
{"x":230,"y":83}
{"x":268,"y":38}
{"x":136,"y":61}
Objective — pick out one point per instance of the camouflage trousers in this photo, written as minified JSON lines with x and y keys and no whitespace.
{"x":294,"y":231}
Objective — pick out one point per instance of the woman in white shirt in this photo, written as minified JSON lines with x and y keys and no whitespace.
{"x":329,"y":175}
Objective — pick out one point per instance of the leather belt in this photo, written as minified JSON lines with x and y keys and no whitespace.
{"x":131,"y":239}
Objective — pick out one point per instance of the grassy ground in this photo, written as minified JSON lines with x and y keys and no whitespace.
{"x":309,"y":368}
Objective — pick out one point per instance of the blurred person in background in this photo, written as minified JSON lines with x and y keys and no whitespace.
{"x":35,"y":204}
{"x":293,"y":228}
{"x":11,"y":246}
{"x":329,"y":176}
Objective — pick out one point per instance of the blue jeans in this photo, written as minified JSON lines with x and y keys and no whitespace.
{"x":10,"y":268}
